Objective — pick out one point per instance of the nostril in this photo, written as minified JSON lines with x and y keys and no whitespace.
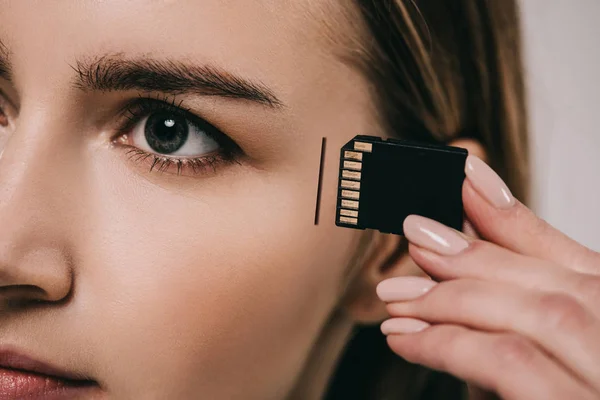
{"x":39,"y":274}
{"x":21,"y":296}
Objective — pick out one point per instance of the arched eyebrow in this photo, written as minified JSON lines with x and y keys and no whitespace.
{"x":115,"y":73}
{"x":110,"y":73}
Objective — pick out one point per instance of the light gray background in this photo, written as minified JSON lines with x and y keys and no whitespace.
{"x":562,"y":39}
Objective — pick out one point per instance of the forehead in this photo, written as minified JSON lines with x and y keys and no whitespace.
{"x":247,"y":32}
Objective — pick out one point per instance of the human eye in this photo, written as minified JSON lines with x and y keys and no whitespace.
{"x":170,"y":138}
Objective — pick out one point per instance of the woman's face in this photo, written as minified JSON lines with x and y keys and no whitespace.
{"x":172,"y":258}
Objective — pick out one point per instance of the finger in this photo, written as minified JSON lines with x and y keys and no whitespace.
{"x":506,"y":364}
{"x":556,"y":322}
{"x":501,"y":219}
{"x":469,"y":230}
{"x":487,"y":261}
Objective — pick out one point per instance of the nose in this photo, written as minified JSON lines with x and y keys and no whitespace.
{"x":34,"y":251}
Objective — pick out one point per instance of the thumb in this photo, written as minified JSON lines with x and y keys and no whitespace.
{"x":502,"y":219}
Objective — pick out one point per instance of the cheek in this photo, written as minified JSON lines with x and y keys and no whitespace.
{"x":198,"y":292}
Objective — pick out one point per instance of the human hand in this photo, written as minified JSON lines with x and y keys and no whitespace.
{"x":517,"y":313}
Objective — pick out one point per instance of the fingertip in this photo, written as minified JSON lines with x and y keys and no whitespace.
{"x":403,"y":288}
{"x":402,"y":326}
{"x":488,"y":183}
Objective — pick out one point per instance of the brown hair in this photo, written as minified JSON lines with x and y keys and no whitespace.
{"x":440,"y":70}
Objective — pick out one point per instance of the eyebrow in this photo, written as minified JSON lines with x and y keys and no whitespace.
{"x":114,"y":73}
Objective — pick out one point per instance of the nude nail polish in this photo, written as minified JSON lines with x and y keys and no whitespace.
{"x":403,"y":288}
{"x":403,"y":326}
{"x":488,"y":184}
{"x":433,"y":236}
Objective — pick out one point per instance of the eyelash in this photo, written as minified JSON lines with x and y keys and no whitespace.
{"x":134,"y":111}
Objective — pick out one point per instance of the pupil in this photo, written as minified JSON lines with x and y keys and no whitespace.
{"x":166,"y":133}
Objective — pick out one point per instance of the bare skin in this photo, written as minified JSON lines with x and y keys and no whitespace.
{"x":159,"y":285}
{"x":167,"y":268}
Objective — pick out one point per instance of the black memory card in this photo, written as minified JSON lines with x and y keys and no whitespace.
{"x":381,"y":182}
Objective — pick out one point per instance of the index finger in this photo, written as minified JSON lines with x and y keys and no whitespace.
{"x":502,"y":219}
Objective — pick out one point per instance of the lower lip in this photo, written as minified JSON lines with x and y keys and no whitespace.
{"x":19,"y":384}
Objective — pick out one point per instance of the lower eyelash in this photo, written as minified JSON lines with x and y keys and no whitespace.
{"x":164,"y":163}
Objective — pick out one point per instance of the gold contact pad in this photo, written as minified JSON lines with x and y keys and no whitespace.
{"x":348,"y":220}
{"x":349,"y":213}
{"x":350,"y":185}
{"x":350,"y":204}
{"x":353,"y":155}
{"x":351,"y":175}
{"x":362,"y":146}
{"x":352,"y":165}
{"x":349,"y":194}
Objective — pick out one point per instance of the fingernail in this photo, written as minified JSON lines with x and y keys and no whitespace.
{"x":488,"y":184}
{"x":403,"y":325}
{"x":432,"y":235}
{"x":403,"y":289}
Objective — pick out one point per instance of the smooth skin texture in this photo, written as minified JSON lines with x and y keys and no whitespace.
{"x":158,"y":285}
{"x":163,"y":286}
{"x":516,"y":312}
